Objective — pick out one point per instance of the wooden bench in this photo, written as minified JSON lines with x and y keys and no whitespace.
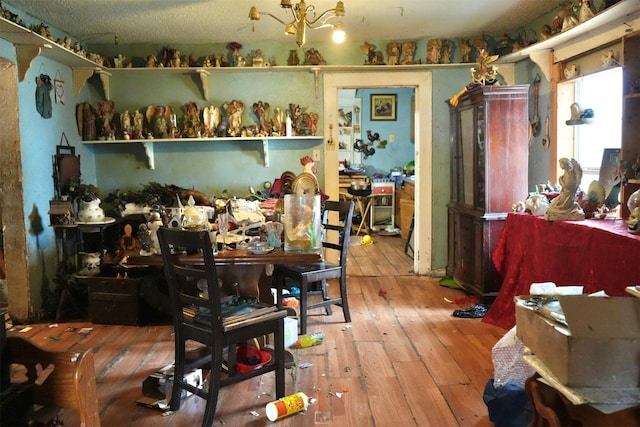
{"x":71,"y":384}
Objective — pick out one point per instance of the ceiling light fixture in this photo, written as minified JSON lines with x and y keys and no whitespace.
{"x":305,"y":16}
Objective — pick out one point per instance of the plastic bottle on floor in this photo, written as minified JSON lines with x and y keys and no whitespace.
{"x":309,"y":340}
{"x":286,"y":406}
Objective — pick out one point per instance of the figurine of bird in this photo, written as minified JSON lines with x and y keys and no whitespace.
{"x":373,"y":137}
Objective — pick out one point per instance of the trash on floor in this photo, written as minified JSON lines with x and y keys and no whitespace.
{"x":472,"y":312}
{"x":286,"y":406}
{"x":309,"y":340}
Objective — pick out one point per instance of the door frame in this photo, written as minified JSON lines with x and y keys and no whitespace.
{"x":421,"y":82}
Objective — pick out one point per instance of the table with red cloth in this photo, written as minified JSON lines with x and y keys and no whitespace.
{"x":597,"y":254}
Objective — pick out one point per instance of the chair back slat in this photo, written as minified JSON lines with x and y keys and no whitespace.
{"x":344,"y":211}
{"x":183,"y":280}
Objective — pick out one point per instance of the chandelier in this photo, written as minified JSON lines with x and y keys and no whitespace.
{"x":305,"y":16}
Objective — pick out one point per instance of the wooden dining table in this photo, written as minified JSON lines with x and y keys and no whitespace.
{"x":239,"y":266}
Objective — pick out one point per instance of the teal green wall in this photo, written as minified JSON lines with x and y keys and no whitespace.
{"x":38,"y":140}
{"x":211,"y":166}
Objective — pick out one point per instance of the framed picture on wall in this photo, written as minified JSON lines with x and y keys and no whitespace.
{"x":383,"y":106}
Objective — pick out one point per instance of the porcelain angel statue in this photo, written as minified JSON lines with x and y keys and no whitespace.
{"x":565,"y":207}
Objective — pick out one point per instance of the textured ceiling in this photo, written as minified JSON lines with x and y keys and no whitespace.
{"x":221,"y":21}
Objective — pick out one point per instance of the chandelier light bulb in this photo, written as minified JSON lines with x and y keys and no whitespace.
{"x":338,"y":33}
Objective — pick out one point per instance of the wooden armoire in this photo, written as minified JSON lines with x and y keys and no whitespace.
{"x":489,"y":173}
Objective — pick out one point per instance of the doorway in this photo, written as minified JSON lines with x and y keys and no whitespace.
{"x":421,"y":82}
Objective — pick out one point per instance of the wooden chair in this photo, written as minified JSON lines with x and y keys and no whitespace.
{"x":198,"y":318}
{"x":71,"y":384}
{"x":312,"y":278}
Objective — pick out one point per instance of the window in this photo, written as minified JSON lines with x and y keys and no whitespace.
{"x":601,"y":92}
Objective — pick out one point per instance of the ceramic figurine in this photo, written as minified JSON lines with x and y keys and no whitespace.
{"x":571,"y":72}
{"x":374,"y":57}
{"x":90,"y":211}
{"x":191,"y":120}
{"x":608,"y":59}
{"x":293,"y":58}
{"x":159,"y":118}
{"x":262,"y":112}
{"x":446,"y":51}
{"x":434,"y":47}
{"x":211,"y":117}
{"x":105,"y":112}
{"x":633,"y":223}
{"x":234,"y":111}
{"x":408,"y":51}
{"x":465,"y":50}
{"x":90,"y":262}
{"x":258,"y":60}
{"x":565,"y":206}
{"x":313,"y":57}
{"x":537,"y":204}
{"x":585,"y":13}
{"x":393,"y":53}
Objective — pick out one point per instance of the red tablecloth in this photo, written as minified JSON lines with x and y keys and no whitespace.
{"x":597,"y":254}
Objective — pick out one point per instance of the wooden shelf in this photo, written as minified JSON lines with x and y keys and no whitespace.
{"x":149,"y":143}
{"x":29,"y":45}
{"x":540,"y":52}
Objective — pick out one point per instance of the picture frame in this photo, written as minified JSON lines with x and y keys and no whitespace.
{"x":384,"y":106}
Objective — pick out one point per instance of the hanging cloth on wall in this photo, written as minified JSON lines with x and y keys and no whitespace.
{"x":43,"y":98}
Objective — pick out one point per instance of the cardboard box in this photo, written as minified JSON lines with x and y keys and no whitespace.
{"x":156,"y":388}
{"x":600,"y":347}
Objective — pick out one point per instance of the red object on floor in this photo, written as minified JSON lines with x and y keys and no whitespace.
{"x":467,"y":301}
{"x":596,"y":254}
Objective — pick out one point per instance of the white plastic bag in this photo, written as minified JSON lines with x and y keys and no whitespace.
{"x":508,"y":363}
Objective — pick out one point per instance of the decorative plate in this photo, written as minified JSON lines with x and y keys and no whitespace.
{"x":261,"y":251}
{"x":107,"y":220}
{"x":287,"y":179}
{"x":305,"y":183}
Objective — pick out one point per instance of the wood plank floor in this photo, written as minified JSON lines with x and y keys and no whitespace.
{"x":403,"y":361}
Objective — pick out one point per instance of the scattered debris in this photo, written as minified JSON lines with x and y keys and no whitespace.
{"x":346,"y":327}
{"x":254,"y":413}
{"x":53,"y":325}
{"x":305,"y":365}
{"x":382,"y":292}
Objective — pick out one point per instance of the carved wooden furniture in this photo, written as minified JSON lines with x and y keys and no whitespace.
{"x":489,"y":163}
{"x":71,"y":384}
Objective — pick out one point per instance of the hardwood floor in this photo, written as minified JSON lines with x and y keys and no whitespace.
{"x":403,"y":361}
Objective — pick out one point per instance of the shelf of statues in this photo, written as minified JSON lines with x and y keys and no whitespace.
{"x":29,"y":45}
{"x":608,"y":25}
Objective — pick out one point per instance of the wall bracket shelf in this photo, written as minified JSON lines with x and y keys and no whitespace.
{"x":150,"y":153}
{"x":606,"y":24}
{"x":30,"y":45}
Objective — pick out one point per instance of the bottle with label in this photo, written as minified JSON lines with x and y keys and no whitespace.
{"x":309,"y":340}
{"x":289,"y":126}
{"x":286,"y":406}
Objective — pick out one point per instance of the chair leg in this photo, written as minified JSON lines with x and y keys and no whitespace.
{"x":343,"y":296}
{"x":214,"y":387}
{"x":280,"y":362}
{"x":304,"y":289}
{"x":178,"y":373}
{"x":325,"y":297}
